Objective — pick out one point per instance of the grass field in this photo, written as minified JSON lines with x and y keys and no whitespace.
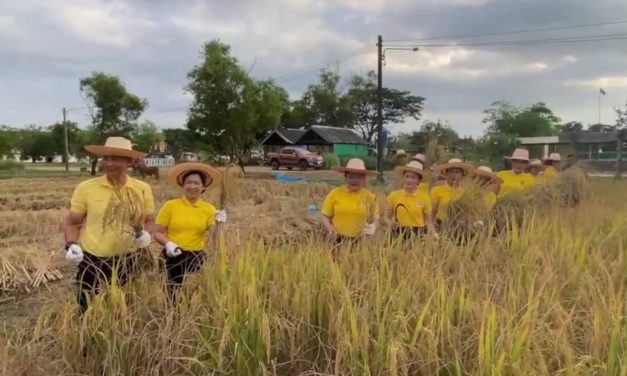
{"x":546,"y":296}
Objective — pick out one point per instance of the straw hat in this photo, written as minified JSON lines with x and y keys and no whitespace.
{"x":535,"y":163}
{"x":486,"y":172}
{"x":176,"y":173}
{"x":412,"y":166}
{"x":455,"y":163}
{"x":400,"y":153}
{"x":420,"y":158}
{"x":115,"y":147}
{"x":555,"y":157}
{"x":519,"y":155}
{"x":355,"y":165}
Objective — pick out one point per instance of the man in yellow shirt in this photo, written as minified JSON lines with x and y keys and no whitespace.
{"x":442,"y":195}
{"x":516,"y":180}
{"x":110,"y":217}
{"x":409,"y":209}
{"x":535,"y":167}
{"x":351,"y":210}
{"x":552,"y":165}
{"x":490,"y":183}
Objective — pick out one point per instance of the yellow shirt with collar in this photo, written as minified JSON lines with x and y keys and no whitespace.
{"x":111,"y":213}
{"x":550,"y":173}
{"x":442,"y":196}
{"x":489,"y":199}
{"x":187,"y":223}
{"x":423,"y":187}
{"x":514,"y":182}
{"x":350,"y":211}
{"x":409,"y":209}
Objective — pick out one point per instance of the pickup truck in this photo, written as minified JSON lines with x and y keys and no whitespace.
{"x":294,"y":157}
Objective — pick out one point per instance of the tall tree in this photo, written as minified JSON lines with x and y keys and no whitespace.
{"x":230,"y":108}
{"x":57,"y":132}
{"x":146,"y":135}
{"x":114,"y":111}
{"x":397,"y":105}
{"x":435,"y":130}
{"x":9,"y":141}
{"x":179,"y":140}
{"x":571,"y":126}
{"x":535,"y":120}
{"x":36,"y":142}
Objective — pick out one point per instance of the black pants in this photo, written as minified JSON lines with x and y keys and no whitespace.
{"x":409,"y":233}
{"x":177,"y":267}
{"x":95,"y":272}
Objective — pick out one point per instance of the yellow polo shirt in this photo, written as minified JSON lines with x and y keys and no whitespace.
{"x":112,"y":214}
{"x":514,"y":182}
{"x":489,"y":199}
{"x":186,"y":223}
{"x":423,"y":187}
{"x":550,"y":173}
{"x":350,"y":211}
{"x":415,"y":206}
{"x":443,"y":195}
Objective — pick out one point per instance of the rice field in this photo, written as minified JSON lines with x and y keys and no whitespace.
{"x":545,"y":296}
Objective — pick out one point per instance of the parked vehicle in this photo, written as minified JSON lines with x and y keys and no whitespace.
{"x":291,"y":157}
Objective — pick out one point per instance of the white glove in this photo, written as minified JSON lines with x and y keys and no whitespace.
{"x":369,"y":229}
{"x":221,"y":216}
{"x":74,"y":253}
{"x":172,"y":250}
{"x":478,"y":224}
{"x":143,"y":240}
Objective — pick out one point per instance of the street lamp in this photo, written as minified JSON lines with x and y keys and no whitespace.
{"x":380,"y":60}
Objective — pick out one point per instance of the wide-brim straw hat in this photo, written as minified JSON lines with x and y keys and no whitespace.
{"x":357,"y":166}
{"x":413,"y":166}
{"x":115,"y":147}
{"x":176,"y":173}
{"x":400,"y":153}
{"x":468,"y":169}
{"x":555,"y":157}
{"x":519,"y":155}
{"x":487,"y":173}
{"x":420,"y":158}
{"x":535,"y":163}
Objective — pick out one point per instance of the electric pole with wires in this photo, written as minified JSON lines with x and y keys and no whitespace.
{"x":66,"y":152}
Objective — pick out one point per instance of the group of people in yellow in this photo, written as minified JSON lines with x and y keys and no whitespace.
{"x":419,"y":205}
{"x":114,"y":215}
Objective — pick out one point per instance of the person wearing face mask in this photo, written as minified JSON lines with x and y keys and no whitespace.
{"x":350,"y":210}
{"x":409,"y":209}
{"x":442,"y":195}
{"x":110,"y":218}
{"x":182,"y":223}
{"x":516,"y":180}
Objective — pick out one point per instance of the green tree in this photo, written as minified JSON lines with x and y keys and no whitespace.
{"x":114,"y":111}
{"x":441,"y":131}
{"x":397,"y":105}
{"x":535,"y":120}
{"x":58,"y":138}
{"x":180,"y":140}
{"x":35,"y":142}
{"x":146,"y":135}
{"x":571,"y":126}
{"x":494,"y":146}
{"x":9,"y":141}
{"x":230,"y":109}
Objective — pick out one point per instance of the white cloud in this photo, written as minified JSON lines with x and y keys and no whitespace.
{"x":570,"y":59}
{"x":106,"y":23}
{"x":604,"y":82}
{"x":8,"y":26}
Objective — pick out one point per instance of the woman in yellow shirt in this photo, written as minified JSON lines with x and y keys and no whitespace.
{"x":442,"y":195}
{"x":425,"y":183}
{"x":182,"y":223}
{"x":350,"y":210}
{"x":535,"y":167}
{"x":490,"y":184}
{"x":409,"y":209}
{"x":516,"y":180}
{"x":552,"y":164}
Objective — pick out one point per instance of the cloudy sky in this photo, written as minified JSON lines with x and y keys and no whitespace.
{"x":46,"y":46}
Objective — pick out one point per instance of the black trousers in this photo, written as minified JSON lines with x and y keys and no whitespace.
{"x":95,"y":272}
{"x":177,"y":267}
{"x":409,"y":233}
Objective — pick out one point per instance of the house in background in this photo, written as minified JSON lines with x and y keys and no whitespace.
{"x":318,"y":139}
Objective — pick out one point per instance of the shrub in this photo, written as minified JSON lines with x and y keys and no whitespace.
{"x":10,"y":165}
{"x":370,"y":162}
{"x":330,"y":160}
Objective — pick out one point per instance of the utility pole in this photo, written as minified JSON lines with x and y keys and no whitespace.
{"x":380,"y":108}
{"x":621,"y":136}
{"x":65,"y":141}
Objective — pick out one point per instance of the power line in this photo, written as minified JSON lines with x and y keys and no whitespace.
{"x":579,"y":39}
{"x":467,"y":36}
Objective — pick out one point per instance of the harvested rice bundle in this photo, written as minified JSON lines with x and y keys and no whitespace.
{"x":465,"y":215}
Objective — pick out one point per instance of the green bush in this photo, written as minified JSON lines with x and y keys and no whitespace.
{"x":10,"y":165}
{"x":330,"y":160}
